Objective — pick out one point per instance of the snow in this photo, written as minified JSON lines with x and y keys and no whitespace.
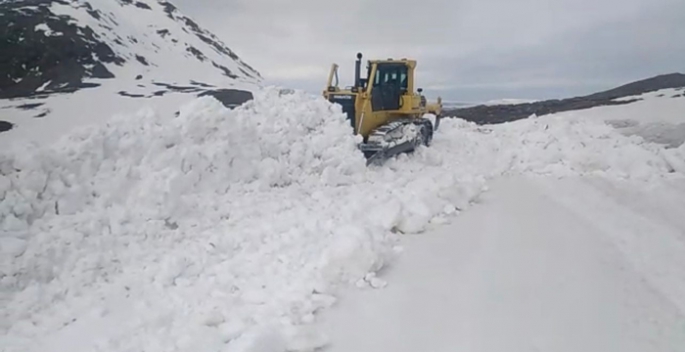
{"x":657,"y":118}
{"x":539,"y":264}
{"x":447,"y":104}
{"x":86,"y":107}
{"x":47,"y":31}
{"x":660,"y":93}
{"x":232,"y":230}
{"x":402,"y":134}
{"x":509,"y":101}
{"x":42,"y":87}
{"x":216,"y":228}
{"x":455,"y":104}
{"x":577,"y":245}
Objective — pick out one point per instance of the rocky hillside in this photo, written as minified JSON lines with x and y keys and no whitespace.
{"x":124,"y":49}
{"x":488,"y":114}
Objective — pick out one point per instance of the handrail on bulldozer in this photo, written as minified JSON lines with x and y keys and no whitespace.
{"x":331,"y":74}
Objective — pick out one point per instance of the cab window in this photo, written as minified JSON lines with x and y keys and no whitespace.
{"x":395,"y":74}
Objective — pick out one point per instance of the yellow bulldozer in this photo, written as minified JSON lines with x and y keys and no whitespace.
{"x":384,"y":108}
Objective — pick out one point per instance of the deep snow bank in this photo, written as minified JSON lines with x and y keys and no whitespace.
{"x":228,"y":230}
{"x":656,"y":116}
{"x":212,"y":229}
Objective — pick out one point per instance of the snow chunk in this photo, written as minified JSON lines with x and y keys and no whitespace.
{"x":676,"y":158}
{"x":12,"y":247}
{"x":44,"y":28}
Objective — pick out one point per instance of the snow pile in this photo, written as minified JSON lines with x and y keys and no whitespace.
{"x":584,"y":148}
{"x":394,"y":137}
{"x":557,"y":146}
{"x":214,"y":229}
{"x":656,"y":117}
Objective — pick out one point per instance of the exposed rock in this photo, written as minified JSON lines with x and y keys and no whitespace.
{"x":29,"y":106}
{"x":142,"y":60}
{"x":43,"y":114}
{"x":226,"y":71}
{"x":143,"y":5}
{"x":201,"y":84}
{"x":163,"y":32}
{"x":5,"y":126}
{"x":197,"y":53}
{"x":126,"y":94}
{"x":184,"y":89}
{"x":230,"y":98}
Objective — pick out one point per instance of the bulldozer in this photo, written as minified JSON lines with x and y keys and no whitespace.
{"x":384,"y":108}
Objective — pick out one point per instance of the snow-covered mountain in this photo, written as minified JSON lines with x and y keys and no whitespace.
{"x":82,"y":57}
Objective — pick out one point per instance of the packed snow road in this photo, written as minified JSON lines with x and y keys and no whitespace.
{"x":539,"y":264}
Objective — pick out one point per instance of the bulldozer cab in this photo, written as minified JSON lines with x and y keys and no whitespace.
{"x":390,"y":81}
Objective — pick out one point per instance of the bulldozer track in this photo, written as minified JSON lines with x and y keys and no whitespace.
{"x":378,"y":148}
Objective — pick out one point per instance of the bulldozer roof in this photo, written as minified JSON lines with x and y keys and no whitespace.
{"x":409,"y":62}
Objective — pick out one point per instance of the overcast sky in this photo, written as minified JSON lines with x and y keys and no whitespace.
{"x":467,"y":50}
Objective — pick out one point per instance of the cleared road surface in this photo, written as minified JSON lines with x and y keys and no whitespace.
{"x":539,"y":265}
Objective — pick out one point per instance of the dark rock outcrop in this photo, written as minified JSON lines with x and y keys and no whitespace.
{"x":5,"y":126}
{"x":483,"y":114}
{"x":230,"y":98}
{"x":31,"y":58}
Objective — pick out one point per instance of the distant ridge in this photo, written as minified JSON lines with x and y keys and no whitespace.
{"x":489,"y":114}
{"x":671,"y":80}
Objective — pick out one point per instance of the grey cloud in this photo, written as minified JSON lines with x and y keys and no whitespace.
{"x":467,"y":49}
{"x":579,"y":62}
